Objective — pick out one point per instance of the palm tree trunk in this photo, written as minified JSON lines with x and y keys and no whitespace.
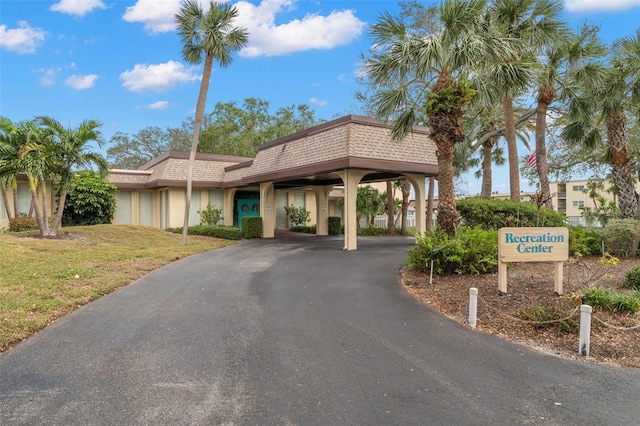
{"x":36,"y":206}
{"x":485,"y":192}
{"x":5,"y":200}
{"x":405,"y":187}
{"x":58,"y":219}
{"x":14,"y":185}
{"x":430,"y":202}
{"x":546,"y":94}
{"x":202,"y":100}
{"x":391,"y":226}
{"x":448,"y":216}
{"x":512,"y":148}
{"x":45,"y":210}
{"x":622,"y":165}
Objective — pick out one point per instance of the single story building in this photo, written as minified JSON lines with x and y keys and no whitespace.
{"x":301,"y":169}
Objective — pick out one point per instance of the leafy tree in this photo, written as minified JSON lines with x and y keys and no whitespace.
{"x":131,"y":152}
{"x":234,"y":130}
{"x":91,"y":200}
{"x":206,"y":36}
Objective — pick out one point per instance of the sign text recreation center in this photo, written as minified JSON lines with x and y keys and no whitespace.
{"x":532,"y":245}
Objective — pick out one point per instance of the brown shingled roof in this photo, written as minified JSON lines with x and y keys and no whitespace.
{"x":302,"y":158}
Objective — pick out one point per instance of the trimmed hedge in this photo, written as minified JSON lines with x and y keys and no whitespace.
{"x":252,"y":227}
{"x":334,"y":225}
{"x":224,"y":232}
{"x":303,"y":229}
{"x":496,"y":214}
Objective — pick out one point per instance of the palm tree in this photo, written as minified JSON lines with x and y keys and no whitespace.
{"x":531,"y":25}
{"x":68,"y":151}
{"x":438,"y":63}
{"x":9,"y":144}
{"x":606,"y":99}
{"x":568,"y":59}
{"x":206,"y":36}
{"x":31,"y":159}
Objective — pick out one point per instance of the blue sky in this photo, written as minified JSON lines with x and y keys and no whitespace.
{"x":120,"y":62}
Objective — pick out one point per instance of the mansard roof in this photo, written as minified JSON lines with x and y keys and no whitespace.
{"x":308,"y":157}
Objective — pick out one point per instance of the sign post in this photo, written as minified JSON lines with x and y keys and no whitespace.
{"x":532,"y":245}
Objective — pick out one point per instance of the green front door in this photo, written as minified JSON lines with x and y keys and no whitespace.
{"x":247,"y":207}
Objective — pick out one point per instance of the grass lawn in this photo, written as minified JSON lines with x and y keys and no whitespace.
{"x":43,"y":279}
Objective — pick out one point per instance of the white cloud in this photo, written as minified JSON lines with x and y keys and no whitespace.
{"x":592,"y":5}
{"x":77,"y":7}
{"x":158,"y":78}
{"x":48,"y":77}
{"x":316,"y":101}
{"x":21,"y":40}
{"x":157,"y":16}
{"x":158,"y":105}
{"x":81,"y":82}
{"x":266,"y":38}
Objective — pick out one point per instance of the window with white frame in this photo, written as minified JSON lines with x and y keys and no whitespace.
{"x":578,"y":188}
{"x":578,"y":203}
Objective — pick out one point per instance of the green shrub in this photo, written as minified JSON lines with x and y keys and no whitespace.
{"x":252,"y":227}
{"x":297,"y":215}
{"x":621,"y":237}
{"x":621,"y":302}
{"x":585,"y":241}
{"x":598,"y":297}
{"x":604,"y":298}
{"x":224,"y":232}
{"x":496,"y":214}
{"x":91,"y":200}
{"x":210,"y":215}
{"x":632,"y":278}
{"x":470,"y":251}
{"x":334,"y":225}
{"x":23,"y":223}
{"x":303,"y":229}
{"x":372,"y":231}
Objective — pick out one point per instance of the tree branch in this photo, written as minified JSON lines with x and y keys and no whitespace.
{"x":500,"y":132}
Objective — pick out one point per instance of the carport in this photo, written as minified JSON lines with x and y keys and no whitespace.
{"x":344,"y":152}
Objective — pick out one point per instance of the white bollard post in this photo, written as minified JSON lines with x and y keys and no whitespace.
{"x":473,"y":306}
{"x":585,"y":330}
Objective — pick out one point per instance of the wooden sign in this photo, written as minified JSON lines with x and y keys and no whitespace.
{"x":532,"y":245}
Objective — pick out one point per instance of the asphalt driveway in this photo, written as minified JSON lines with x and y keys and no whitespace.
{"x":293,"y":331}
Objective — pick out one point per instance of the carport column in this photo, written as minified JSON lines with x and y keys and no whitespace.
{"x":322,"y":209}
{"x":227,"y":206}
{"x":417,"y":180}
{"x":350,"y":178}
{"x":267,"y":209}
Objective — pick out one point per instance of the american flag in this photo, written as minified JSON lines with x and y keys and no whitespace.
{"x":532,"y":161}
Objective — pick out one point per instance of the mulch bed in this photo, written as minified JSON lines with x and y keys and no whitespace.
{"x":519,"y":315}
